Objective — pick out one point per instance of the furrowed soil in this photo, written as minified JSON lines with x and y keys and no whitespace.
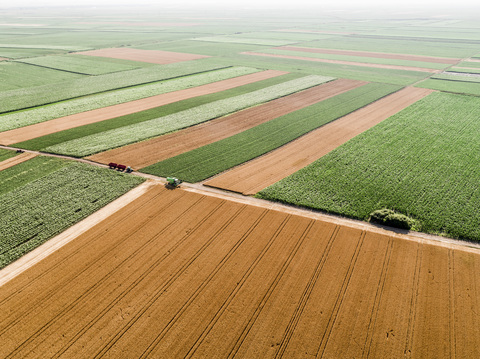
{"x":350,"y":63}
{"x":16,"y":160}
{"x":151,"y":56}
{"x":182,"y":274}
{"x":272,"y":167}
{"x":84,"y":118}
{"x":378,"y":55}
{"x":146,"y":153}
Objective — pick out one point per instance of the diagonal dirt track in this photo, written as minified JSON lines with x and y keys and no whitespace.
{"x":148,"y":152}
{"x":105,"y":113}
{"x":266,"y":170}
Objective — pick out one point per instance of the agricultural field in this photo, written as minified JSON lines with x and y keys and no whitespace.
{"x":30,"y":214}
{"x":206,"y":277}
{"x":422,"y":162}
{"x":6,"y":154}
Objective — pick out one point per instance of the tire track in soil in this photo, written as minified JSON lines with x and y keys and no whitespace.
{"x":240,"y":253}
{"x":145,"y":153}
{"x":247,"y":304}
{"x":50,"y":319}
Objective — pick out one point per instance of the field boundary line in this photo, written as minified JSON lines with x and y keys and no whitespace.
{"x":28,"y":260}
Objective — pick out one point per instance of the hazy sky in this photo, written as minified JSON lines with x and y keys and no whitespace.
{"x":263,"y":3}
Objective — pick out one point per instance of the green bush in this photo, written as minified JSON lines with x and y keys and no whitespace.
{"x":391,"y":218}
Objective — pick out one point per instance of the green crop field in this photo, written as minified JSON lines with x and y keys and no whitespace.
{"x":244,"y":40}
{"x":463,"y":77}
{"x":206,"y":161}
{"x":423,"y":162}
{"x":464,"y":70}
{"x":30,"y":214}
{"x":6,"y":154}
{"x":461,"y":87}
{"x":128,"y":134}
{"x":18,"y":119}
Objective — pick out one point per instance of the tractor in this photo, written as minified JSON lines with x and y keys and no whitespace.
{"x":172,"y":182}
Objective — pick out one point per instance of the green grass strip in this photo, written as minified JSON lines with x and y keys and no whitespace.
{"x":40,"y":95}
{"x":423,"y":162}
{"x":43,"y":142}
{"x":158,"y":126}
{"x":30,"y":214}
{"x":60,"y":109}
{"x":206,"y":161}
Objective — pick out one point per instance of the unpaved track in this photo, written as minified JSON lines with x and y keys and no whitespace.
{"x":266,"y":170}
{"x":151,"y":56}
{"x":12,"y":161}
{"x":105,"y":113}
{"x":378,"y":55}
{"x":350,"y":63}
{"x":148,"y":152}
{"x":180,"y":274}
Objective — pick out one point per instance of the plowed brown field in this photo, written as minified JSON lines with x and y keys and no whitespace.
{"x":378,"y":55}
{"x":177,"y":274}
{"x":105,"y":113}
{"x":266,"y":170}
{"x":16,"y":160}
{"x":151,"y":56}
{"x":145,"y":153}
{"x":350,"y":63}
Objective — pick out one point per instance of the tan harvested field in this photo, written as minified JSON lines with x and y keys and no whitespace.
{"x":379,"y":55}
{"x":272,"y":167}
{"x":145,"y":153}
{"x":12,"y":161}
{"x":350,"y":63}
{"x":151,"y":56}
{"x":105,"y":113}
{"x":178,"y":274}
{"x":3,"y":58}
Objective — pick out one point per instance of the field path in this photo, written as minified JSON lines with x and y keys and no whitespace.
{"x":105,"y":113}
{"x":151,"y":56}
{"x":350,"y":63}
{"x":142,"y":154}
{"x":272,"y":167}
{"x":192,"y":275}
{"x":16,"y":160}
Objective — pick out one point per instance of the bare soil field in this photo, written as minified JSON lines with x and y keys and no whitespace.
{"x":380,"y":55}
{"x":3,"y":58}
{"x":272,"y":167}
{"x":179,"y":274}
{"x":16,"y":160}
{"x":150,"y":56}
{"x":88,"y":117}
{"x":351,"y":63}
{"x":148,"y":152}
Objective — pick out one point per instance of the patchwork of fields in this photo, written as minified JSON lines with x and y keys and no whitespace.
{"x":345,"y":114}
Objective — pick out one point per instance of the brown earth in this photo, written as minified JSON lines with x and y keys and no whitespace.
{"x":272,"y":167}
{"x":350,"y":63}
{"x":3,"y":58}
{"x":146,"y":153}
{"x":105,"y":113}
{"x":150,"y":56}
{"x":380,"y":55}
{"x":12,"y":161}
{"x":180,"y":274}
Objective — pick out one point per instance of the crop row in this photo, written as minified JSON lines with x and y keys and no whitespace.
{"x":46,"y":94}
{"x":158,"y":126}
{"x":206,"y":161}
{"x":423,"y":162}
{"x":40,"y":114}
{"x":86,"y":65}
{"x":30,"y":214}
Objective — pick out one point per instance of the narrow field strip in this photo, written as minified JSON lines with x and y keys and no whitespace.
{"x":133,"y":133}
{"x":105,"y":113}
{"x":206,"y":161}
{"x":180,"y":274}
{"x":382,"y":55}
{"x":269,"y":169}
{"x":151,"y":56}
{"x":351,"y":63}
{"x":148,"y":152}
{"x":16,"y":160}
